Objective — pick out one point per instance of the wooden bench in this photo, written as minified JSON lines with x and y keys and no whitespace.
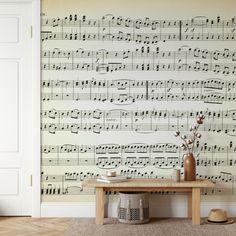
{"x":193,"y":188}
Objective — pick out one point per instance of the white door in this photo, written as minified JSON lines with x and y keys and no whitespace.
{"x":15,"y":109}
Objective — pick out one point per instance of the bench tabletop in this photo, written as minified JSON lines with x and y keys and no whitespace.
{"x":149,"y":183}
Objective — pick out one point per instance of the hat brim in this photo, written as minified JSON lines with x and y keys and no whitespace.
{"x":229,"y":221}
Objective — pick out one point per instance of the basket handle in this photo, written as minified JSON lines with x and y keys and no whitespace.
{"x":118,"y":208}
{"x":141,"y":209}
{"x":128,"y":209}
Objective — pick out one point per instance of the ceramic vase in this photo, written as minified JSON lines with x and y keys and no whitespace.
{"x":189,"y":167}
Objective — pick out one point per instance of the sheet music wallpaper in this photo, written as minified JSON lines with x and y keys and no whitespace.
{"x":119,"y":77}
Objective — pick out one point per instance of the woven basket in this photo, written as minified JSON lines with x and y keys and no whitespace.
{"x":133,"y":207}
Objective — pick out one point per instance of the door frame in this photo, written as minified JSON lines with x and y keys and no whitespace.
{"x":36,"y":88}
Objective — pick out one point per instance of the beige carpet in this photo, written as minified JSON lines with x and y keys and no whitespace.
{"x":27,"y":226}
{"x":156,"y":227}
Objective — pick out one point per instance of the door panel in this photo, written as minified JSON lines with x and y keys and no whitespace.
{"x":10,"y":27}
{"x":9,"y":82}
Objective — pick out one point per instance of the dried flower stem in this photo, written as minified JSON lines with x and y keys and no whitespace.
{"x":189,"y":143}
{"x":194,"y":137}
{"x":186,"y":144}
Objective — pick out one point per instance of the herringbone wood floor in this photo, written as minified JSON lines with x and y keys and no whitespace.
{"x":27,"y":226}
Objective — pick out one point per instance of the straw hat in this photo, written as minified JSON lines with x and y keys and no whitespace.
{"x":218,"y":216}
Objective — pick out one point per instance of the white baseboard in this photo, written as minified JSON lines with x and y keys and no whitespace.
{"x":68,"y":209}
{"x":163,"y":207}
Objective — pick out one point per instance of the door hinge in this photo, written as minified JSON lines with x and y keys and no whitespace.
{"x":31,"y":180}
{"x":31,"y":31}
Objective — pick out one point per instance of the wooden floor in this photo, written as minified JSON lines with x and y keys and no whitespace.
{"x":27,"y":226}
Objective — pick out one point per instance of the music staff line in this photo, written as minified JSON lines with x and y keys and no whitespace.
{"x":80,"y":176}
{"x":135,"y":148}
{"x":126,"y":91}
{"x":146,"y":121}
{"x":70,"y":183}
{"x":112,"y":21}
{"x":184,"y":52}
{"x":108,"y":156}
{"x":134,"y":162}
{"x":223,"y":68}
{"x":146,"y":31}
{"x":102,"y":61}
{"x":157,"y":114}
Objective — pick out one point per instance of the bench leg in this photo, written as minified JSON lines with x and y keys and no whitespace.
{"x":196,"y":199}
{"x":190,"y":205}
{"x":99,"y":206}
